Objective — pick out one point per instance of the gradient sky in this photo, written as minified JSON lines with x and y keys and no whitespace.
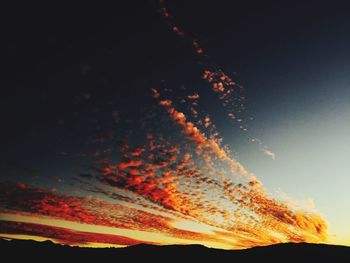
{"x":78,"y":88}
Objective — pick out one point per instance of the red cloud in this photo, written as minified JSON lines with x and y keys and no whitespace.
{"x":63,"y":235}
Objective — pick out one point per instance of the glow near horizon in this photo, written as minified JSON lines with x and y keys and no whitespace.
{"x":144,"y":236}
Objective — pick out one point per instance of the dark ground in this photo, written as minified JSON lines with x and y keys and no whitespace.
{"x":47,"y":251}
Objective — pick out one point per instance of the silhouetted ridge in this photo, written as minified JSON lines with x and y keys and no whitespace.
{"x":48,"y":251}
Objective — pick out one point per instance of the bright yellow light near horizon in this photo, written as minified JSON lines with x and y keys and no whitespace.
{"x":142,"y":236}
{"x":342,"y":239}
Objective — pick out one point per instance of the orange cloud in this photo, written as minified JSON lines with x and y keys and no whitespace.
{"x":129,"y":163}
{"x":197,"y":47}
{"x":178,"y":31}
{"x":193,"y":97}
{"x":194,"y":134}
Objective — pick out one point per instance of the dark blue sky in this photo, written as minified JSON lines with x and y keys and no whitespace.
{"x":68,"y":68}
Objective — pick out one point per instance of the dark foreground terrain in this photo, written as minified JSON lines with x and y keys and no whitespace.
{"x":16,"y":250}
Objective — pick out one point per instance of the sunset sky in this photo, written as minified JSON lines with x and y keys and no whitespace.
{"x":223,"y":123}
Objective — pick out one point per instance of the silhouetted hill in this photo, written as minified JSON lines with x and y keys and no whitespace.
{"x":48,"y":251}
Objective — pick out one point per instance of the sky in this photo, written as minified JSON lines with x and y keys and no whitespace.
{"x":222,"y":123}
